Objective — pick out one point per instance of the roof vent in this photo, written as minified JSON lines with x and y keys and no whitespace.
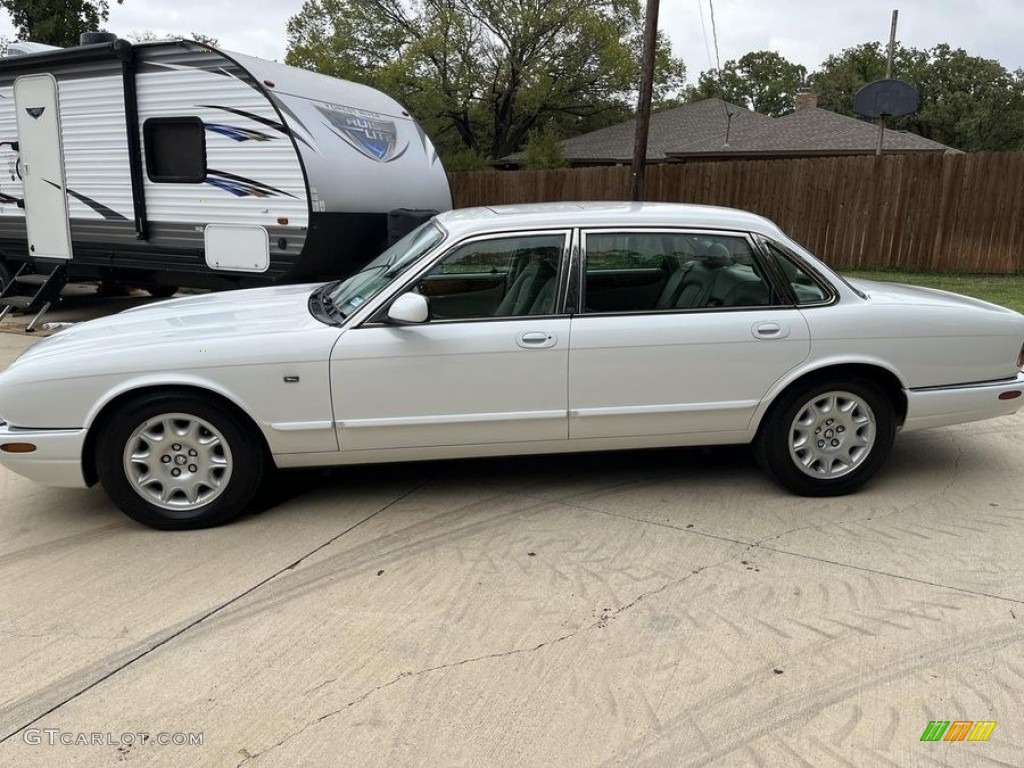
{"x":95,"y":38}
{"x":27,"y":49}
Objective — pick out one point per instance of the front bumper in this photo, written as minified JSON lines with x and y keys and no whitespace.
{"x":942,"y":406}
{"x":57,"y":459}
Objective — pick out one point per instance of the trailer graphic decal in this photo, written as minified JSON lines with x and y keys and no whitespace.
{"x":262,"y":120}
{"x":236,"y":133}
{"x":239,"y":186}
{"x":367,"y":132}
{"x":242,"y":113}
{"x":35,"y":112}
{"x":107,"y":213}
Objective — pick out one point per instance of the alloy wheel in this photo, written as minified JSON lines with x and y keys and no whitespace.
{"x":832,"y":434}
{"x":177,"y":462}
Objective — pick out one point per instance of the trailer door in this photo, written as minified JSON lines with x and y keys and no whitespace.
{"x":42,"y":167}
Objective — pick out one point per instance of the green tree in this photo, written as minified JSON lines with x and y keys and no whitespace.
{"x":544,"y":150}
{"x":56,"y":22}
{"x":762,"y":81}
{"x":483,"y":74}
{"x":967,"y":102}
{"x":466,"y":160}
{"x":970,"y":103}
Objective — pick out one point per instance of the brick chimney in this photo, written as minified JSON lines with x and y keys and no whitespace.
{"x":806,"y":99}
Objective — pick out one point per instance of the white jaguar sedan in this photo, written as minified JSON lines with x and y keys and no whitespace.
{"x":514,"y":330}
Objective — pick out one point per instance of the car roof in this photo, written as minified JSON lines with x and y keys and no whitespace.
{"x":464,"y":221}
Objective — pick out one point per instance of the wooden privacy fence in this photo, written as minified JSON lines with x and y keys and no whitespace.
{"x":945,"y":213}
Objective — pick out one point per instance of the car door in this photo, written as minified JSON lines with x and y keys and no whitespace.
{"x":489,"y":366}
{"x":696,"y":358}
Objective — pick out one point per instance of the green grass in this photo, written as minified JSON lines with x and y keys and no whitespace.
{"x":1007,"y":290}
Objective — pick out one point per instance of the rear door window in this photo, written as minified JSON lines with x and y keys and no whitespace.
{"x":665,"y":271}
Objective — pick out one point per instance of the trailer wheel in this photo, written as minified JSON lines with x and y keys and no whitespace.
{"x":162,"y":291}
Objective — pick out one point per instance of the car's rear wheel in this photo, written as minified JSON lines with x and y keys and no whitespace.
{"x":176,"y":461}
{"x":828,"y":438}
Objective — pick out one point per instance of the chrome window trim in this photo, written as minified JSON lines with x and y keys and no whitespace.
{"x":735,"y":234}
{"x":831,"y":294}
{"x":429,"y":262}
{"x":574,"y":276}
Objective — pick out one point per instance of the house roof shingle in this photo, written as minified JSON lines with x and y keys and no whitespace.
{"x":813,"y":131}
{"x":716,"y":128}
{"x":674,"y":130}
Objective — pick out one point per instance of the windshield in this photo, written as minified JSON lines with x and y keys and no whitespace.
{"x":371,"y":279}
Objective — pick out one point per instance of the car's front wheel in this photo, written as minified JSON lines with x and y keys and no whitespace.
{"x":828,"y":438}
{"x":176,"y":460}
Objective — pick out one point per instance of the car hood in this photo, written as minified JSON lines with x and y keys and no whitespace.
{"x":236,"y":314}
{"x":882,"y":292}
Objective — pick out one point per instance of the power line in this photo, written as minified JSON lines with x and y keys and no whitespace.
{"x":716,"y":63}
{"x":718,"y":68}
{"x":704,"y":29}
{"x":714,"y":31}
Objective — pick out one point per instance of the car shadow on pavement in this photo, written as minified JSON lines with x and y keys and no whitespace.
{"x":926,"y":458}
{"x":281,"y":487}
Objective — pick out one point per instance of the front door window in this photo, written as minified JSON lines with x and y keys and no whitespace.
{"x":502,"y":277}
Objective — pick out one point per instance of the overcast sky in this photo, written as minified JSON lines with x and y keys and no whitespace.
{"x":804,"y":31}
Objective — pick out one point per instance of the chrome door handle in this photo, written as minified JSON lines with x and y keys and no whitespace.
{"x":536,"y":339}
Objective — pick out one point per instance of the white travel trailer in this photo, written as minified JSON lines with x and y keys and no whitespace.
{"x":174,"y":163}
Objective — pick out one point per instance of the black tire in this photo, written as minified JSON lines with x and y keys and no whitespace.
{"x":161,"y":291}
{"x":241,"y":451}
{"x":782,"y":450}
{"x":111,"y":290}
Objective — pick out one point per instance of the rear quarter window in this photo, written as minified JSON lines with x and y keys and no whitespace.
{"x":807,"y":287}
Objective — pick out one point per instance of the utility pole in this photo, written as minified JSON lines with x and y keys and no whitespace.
{"x":643,"y":109}
{"x":888,"y":76}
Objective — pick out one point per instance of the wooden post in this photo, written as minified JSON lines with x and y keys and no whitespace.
{"x":643,"y":110}
{"x":888,"y":76}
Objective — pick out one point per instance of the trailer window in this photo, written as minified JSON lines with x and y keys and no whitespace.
{"x":175,"y":149}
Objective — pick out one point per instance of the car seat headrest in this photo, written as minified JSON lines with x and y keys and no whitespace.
{"x":718,"y":256}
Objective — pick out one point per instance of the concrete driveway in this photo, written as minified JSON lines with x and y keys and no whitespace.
{"x":661,"y":608}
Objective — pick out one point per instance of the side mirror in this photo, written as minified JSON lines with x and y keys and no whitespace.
{"x":409,"y":309}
